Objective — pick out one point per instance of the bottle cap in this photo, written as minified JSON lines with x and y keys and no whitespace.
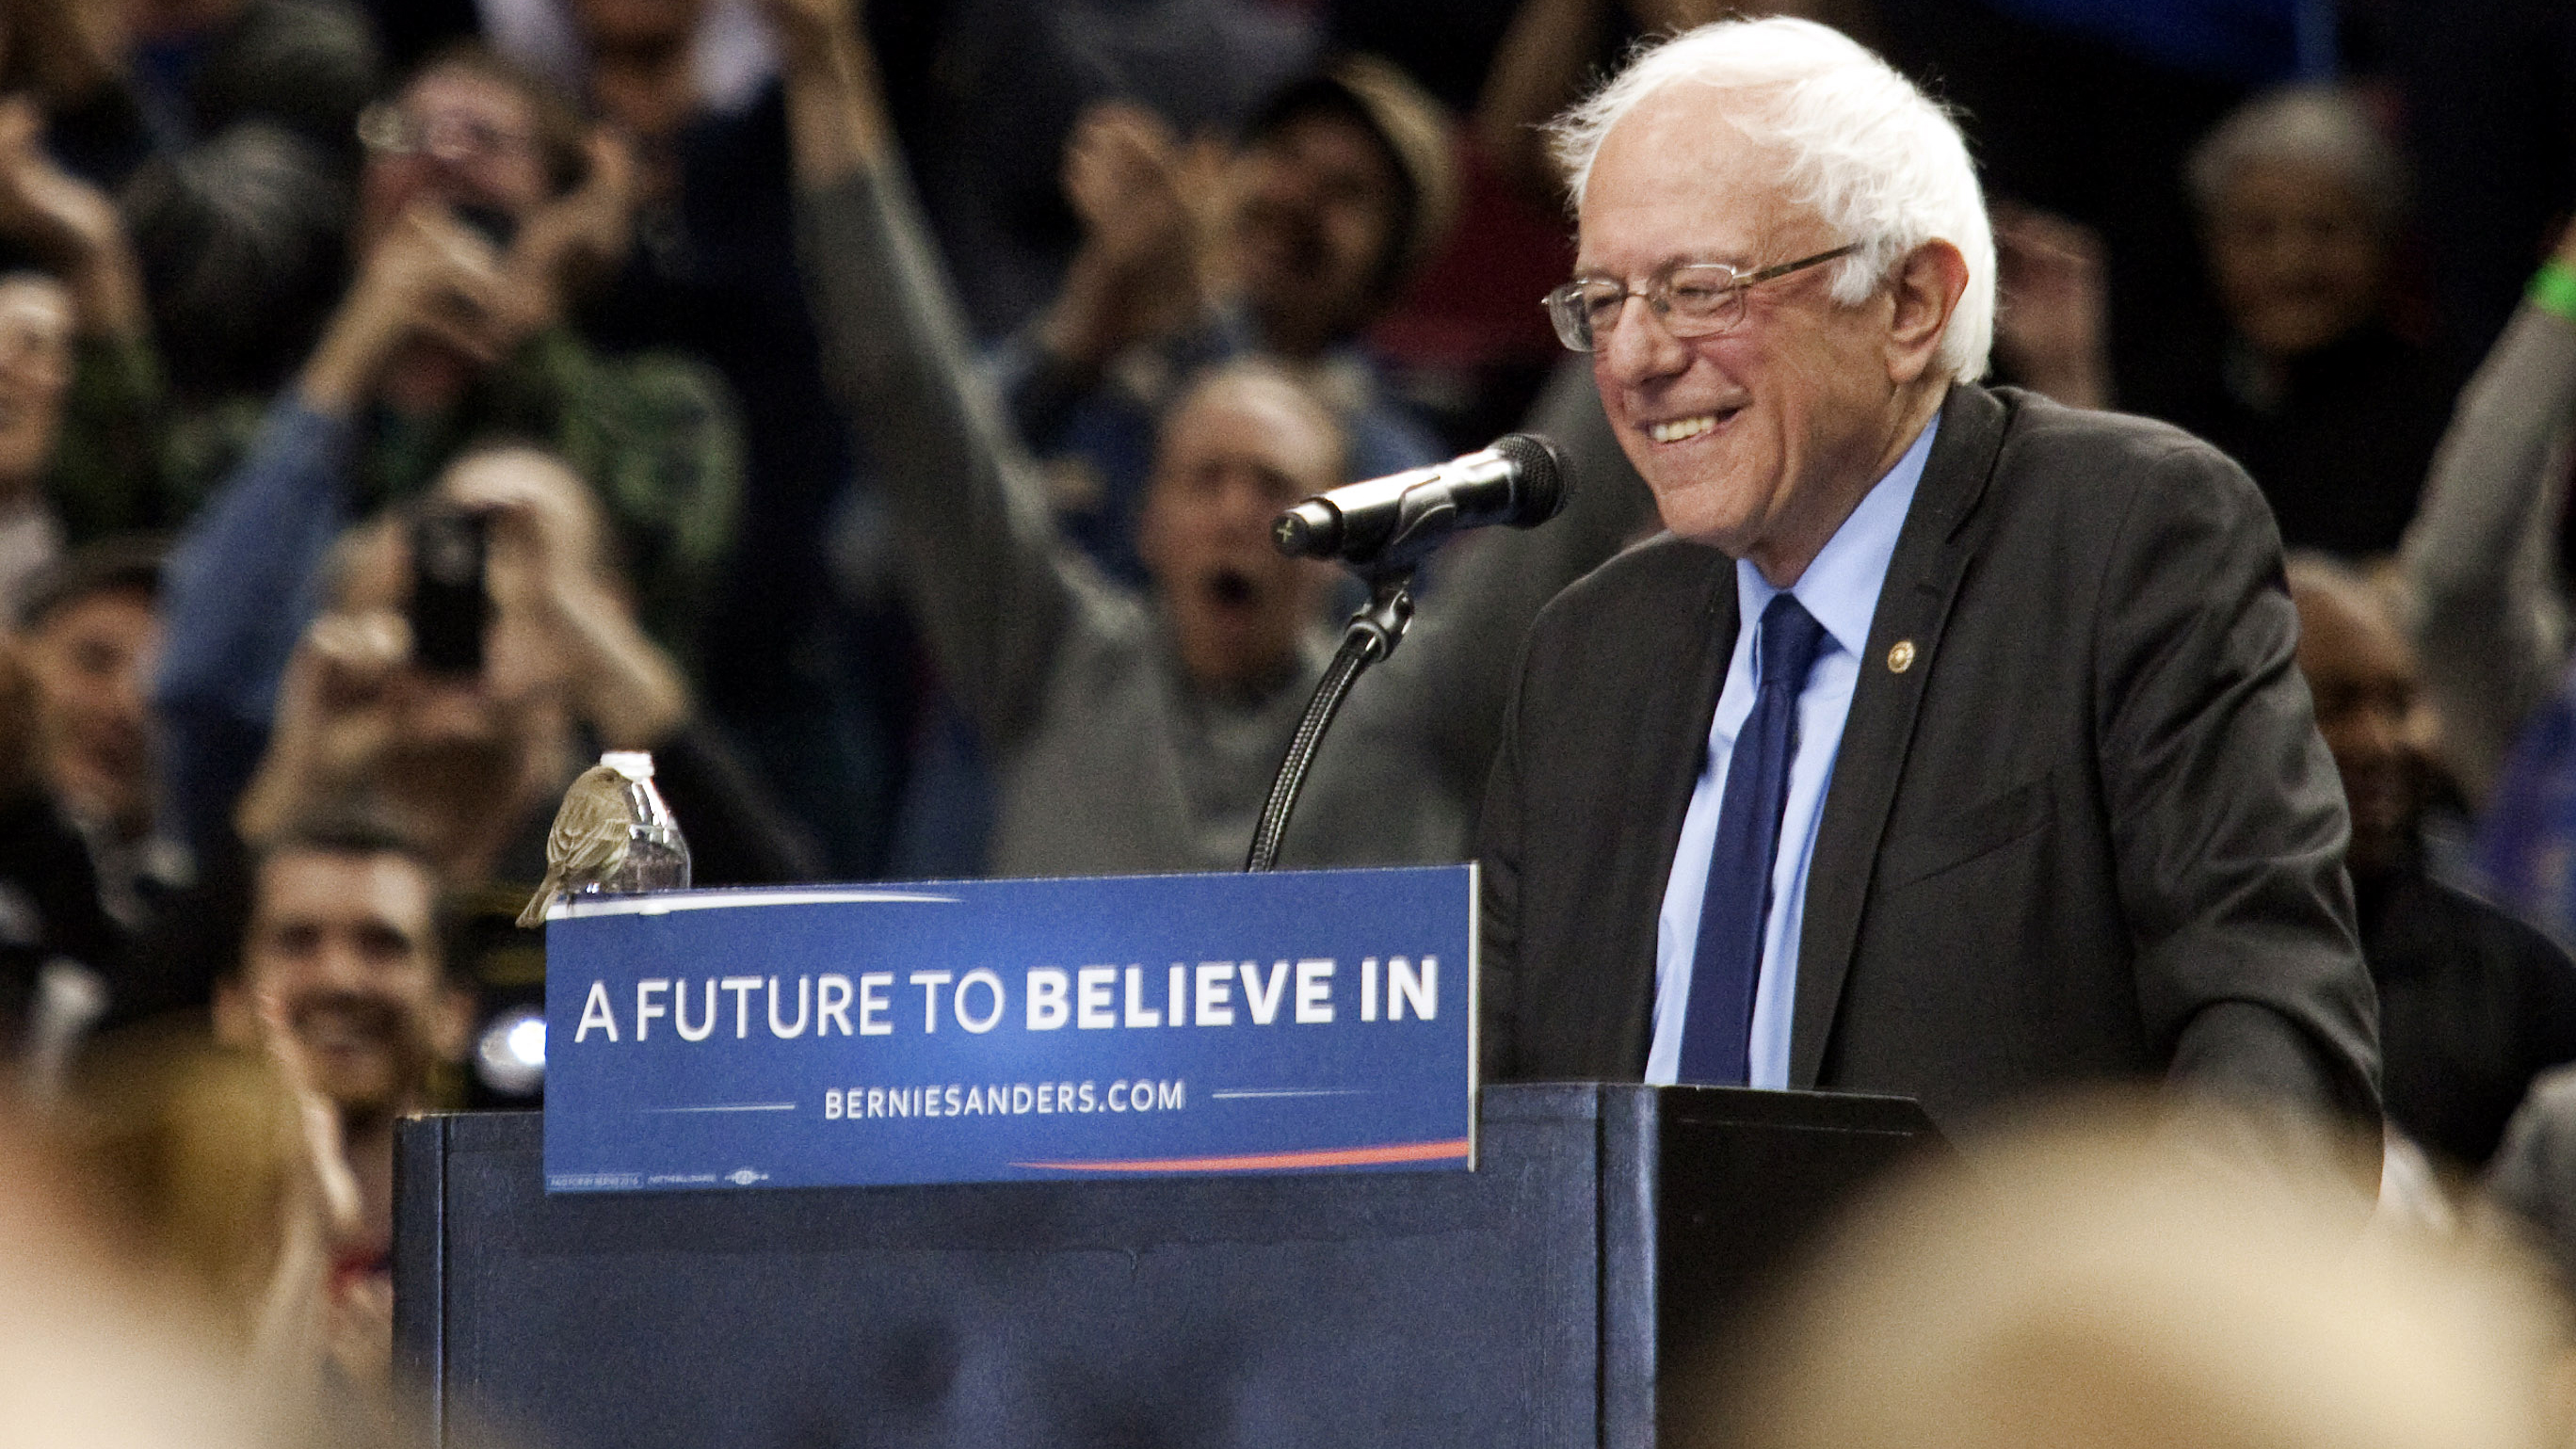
{"x":633,"y":764}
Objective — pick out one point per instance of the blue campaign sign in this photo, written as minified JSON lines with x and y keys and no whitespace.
{"x":973,"y":1031}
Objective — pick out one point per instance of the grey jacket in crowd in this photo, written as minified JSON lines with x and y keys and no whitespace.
{"x":1107,"y":760}
{"x":2482,"y":554}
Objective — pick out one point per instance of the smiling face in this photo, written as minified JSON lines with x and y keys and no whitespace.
{"x":2362,"y":677}
{"x":1238,"y":451}
{"x":35,"y":369}
{"x":1316,"y":204}
{"x":1759,"y":440}
{"x":92,"y":662}
{"x":474,"y":144}
{"x":2295,"y":255}
{"x":344,"y":943}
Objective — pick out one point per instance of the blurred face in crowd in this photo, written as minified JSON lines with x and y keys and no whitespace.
{"x":92,"y":660}
{"x":1760,"y":439}
{"x":523,"y":667}
{"x":1239,"y":450}
{"x":453,"y":739}
{"x":1315,"y":212}
{"x":2363,"y":679}
{"x":2295,"y":256}
{"x":456,"y":137}
{"x":35,"y":368}
{"x":346,"y":947}
{"x":446,"y":738}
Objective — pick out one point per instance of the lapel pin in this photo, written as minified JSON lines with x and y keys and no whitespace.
{"x":1900,"y":657}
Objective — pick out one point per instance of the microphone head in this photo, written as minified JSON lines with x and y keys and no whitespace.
{"x":1542,"y":470}
{"x":1312,"y":529}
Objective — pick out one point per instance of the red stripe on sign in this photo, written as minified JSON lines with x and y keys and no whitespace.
{"x":1259,"y":1162}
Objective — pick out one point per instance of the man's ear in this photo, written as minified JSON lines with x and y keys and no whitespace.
{"x":1927,"y":286}
{"x":236,"y":1013}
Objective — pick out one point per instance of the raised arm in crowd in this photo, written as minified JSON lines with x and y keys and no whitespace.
{"x":2482,"y":553}
{"x":1130,"y":732}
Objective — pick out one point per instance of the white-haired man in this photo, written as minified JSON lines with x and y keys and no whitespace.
{"x":2007,"y":779}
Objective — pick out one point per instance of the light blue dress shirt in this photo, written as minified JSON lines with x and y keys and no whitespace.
{"x":1841,"y":590}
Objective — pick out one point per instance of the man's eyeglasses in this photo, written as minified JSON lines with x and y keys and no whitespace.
{"x":1694,"y":299}
{"x":388,"y":129}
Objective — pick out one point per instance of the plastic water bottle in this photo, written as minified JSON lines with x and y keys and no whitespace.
{"x":657,"y":855}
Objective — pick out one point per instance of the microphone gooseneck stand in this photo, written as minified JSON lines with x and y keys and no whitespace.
{"x":1383,"y":528}
{"x":1371,"y":635}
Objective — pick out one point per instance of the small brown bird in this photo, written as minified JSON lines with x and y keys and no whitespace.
{"x":589,"y":841}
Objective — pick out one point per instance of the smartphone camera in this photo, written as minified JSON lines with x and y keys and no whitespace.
{"x":449,"y":605}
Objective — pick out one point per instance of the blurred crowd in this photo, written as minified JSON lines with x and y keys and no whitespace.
{"x":876,"y":413}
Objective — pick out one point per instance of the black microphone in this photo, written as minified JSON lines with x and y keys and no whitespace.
{"x":1394,"y":521}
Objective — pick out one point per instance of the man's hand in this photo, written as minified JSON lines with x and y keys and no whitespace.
{"x":810,"y":32}
{"x":836,"y":117}
{"x":2049,"y":322}
{"x":430,"y":276}
{"x":334,"y":716}
{"x":70,"y":224}
{"x":560,"y":619}
{"x":1123,"y":175}
{"x":1149,"y":210}
{"x":583,"y":233}
{"x":320,"y":1131}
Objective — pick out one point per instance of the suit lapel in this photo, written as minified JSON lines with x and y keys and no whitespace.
{"x":1672,"y":751}
{"x":1932,"y":554}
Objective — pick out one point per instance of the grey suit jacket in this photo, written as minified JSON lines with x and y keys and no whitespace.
{"x":2086,"y":831}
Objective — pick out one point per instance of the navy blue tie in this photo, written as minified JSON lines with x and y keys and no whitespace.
{"x":1717,"y":1027}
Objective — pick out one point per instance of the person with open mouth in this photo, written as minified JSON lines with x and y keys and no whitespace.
{"x":1130,"y":730}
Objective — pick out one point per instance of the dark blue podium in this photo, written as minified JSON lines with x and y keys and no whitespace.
{"x":1609,"y":1230}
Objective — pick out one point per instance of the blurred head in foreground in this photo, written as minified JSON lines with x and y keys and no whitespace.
{"x":2113,"y":1286}
{"x":196,"y":1155}
{"x":100,"y":1345}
